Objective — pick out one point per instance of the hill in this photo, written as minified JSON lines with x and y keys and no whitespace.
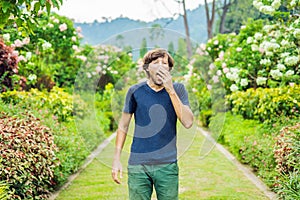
{"x":127,"y":32}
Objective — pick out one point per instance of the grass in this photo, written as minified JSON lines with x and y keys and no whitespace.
{"x":211,"y":177}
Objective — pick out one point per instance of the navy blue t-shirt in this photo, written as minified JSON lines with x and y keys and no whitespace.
{"x":154,"y":140}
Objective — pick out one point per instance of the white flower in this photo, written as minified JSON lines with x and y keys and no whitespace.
{"x":219,"y":72}
{"x":46,"y":45}
{"x":239,"y":49}
{"x":268,"y":28}
{"x":281,"y":67}
{"x":22,"y":58}
{"x":244,"y":82}
{"x":267,"y":10}
{"x":215,"y":79}
{"x":18,"y":43}
{"x":6,"y":37}
{"x":63,"y":27}
{"x":203,"y":46}
{"x":285,"y":43}
{"x":269,"y":46}
{"x":98,"y":69}
{"x":233,"y":88}
{"x":225,"y":70}
{"x":83,"y":58}
{"x":50,"y":25}
{"x":296,"y":33}
{"x":88,"y":74}
{"x":211,"y":66}
{"x":232,"y":76}
{"x":209,"y":87}
{"x":28,"y":55}
{"x":266,"y":62}
{"x":75,"y":48}
{"x":249,"y":40}
{"x":284,"y":55}
{"x":276,"y":4}
{"x":254,"y":47}
{"x":32,"y":77}
{"x":74,"y":39}
{"x":216,"y":42}
{"x":289,"y":73}
{"x":293,"y":3}
{"x":258,"y":36}
{"x":55,"y":20}
{"x":276,"y":74}
{"x":269,"y":53}
{"x":292,"y":60}
{"x":261,"y":80}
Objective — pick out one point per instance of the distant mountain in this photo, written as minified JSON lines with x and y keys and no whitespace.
{"x":124,"y":31}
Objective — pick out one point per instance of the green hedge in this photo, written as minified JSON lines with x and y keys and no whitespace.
{"x":267,"y":104}
{"x":57,"y":101}
{"x":272,"y":150}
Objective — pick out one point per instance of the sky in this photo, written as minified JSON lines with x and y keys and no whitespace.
{"x":144,"y":10}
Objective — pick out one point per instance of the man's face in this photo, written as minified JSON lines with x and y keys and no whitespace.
{"x":154,"y":66}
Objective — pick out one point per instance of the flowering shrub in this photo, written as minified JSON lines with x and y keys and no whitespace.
{"x":104,"y":64}
{"x":59,"y":103}
{"x":27,"y":157}
{"x":48,"y":56}
{"x":266,"y":104}
{"x":259,"y":56}
{"x":271,"y":7}
{"x":8,"y":66}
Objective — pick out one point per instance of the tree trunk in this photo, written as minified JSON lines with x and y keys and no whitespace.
{"x":210,"y":19}
{"x":187,"y":33}
{"x":225,"y":9}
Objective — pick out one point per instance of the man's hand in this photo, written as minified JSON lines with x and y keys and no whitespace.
{"x":166,"y":78}
{"x":116,"y":169}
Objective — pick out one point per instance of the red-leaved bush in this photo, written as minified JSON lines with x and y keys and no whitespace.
{"x":8,"y":66}
{"x":27,"y":157}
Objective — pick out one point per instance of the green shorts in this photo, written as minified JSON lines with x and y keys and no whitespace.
{"x":142,"y":178}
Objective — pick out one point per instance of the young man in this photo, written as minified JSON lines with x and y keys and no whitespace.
{"x":156,"y":105}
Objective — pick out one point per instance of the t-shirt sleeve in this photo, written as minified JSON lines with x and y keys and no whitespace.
{"x":182,"y":93}
{"x":130,"y":103}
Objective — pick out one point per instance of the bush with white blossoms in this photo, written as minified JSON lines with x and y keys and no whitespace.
{"x":104,"y":64}
{"x":261,"y":55}
{"x":54,"y":33}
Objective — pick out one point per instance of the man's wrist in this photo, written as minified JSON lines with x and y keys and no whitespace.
{"x":171,"y":91}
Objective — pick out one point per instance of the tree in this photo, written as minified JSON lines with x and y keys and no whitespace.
{"x":210,"y":18}
{"x":224,"y":9}
{"x":156,"y":32}
{"x":12,"y":12}
{"x":143,"y":49}
{"x":187,"y":33}
{"x":120,"y":41}
{"x":171,"y":49}
{"x":239,"y":13}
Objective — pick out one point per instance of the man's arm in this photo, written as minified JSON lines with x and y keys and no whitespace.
{"x":120,"y":140}
{"x":183,"y":112}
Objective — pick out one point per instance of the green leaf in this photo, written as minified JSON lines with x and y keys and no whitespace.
{"x":6,"y":6}
{"x":48,"y":7}
{"x":42,"y":2}
{"x":37,"y":6}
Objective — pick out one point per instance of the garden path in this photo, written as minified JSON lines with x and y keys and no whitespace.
{"x":215,"y":175}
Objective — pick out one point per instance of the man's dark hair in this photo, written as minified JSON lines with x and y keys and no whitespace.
{"x":157,"y":53}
